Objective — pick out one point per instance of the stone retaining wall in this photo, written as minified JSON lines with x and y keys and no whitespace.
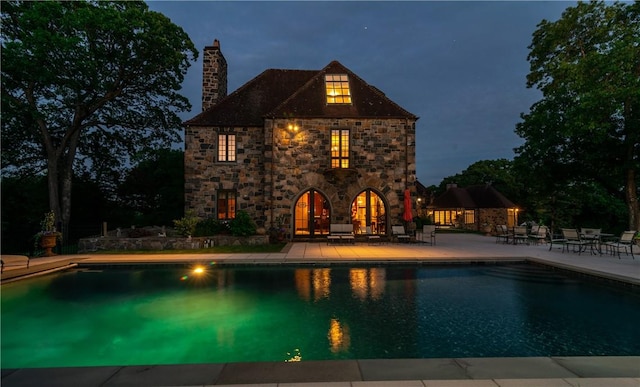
{"x":87,"y":245}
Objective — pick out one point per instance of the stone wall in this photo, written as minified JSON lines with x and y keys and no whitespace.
{"x":275,"y":166}
{"x":87,"y":245}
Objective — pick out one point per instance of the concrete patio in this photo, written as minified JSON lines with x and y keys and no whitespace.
{"x":450,"y":248}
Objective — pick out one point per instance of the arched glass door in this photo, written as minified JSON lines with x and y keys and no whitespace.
{"x":312,"y":214}
{"x":368,"y":210}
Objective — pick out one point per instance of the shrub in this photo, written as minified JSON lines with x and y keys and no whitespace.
{"x":211,"y":226}
{"x":242,"y":224}
{"x":187,"y":224}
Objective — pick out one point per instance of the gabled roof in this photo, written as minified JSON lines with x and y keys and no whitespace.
{"x":454,"y":197}
{"x":300,"y":94}
{"x":475,"y":196}
{"x":486,"y":196}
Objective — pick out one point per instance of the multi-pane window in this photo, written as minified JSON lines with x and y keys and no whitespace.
{"x":339,"y":148}
{"x":226,"y":147}
{"x":226,"y":204}
{"x":337,"y":89}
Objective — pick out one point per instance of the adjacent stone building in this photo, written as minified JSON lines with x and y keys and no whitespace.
{"x":477,"y":207}
{"x":299,"y":150}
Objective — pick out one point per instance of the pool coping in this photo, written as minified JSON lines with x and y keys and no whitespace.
{"x":457,"y":371}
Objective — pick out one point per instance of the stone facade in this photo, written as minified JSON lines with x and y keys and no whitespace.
{"x":275,"y":165}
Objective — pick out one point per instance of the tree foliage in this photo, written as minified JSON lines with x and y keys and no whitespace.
{"x":154,"y":188}
{"x":86,"y":85}
{"x":497,"y":173}
{"x":582,"y":137}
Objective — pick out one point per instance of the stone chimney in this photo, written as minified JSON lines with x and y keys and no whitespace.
{"x":214,"y":75}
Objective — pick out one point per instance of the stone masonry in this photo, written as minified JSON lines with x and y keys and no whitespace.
{"x":275,"y":167}
{"x":214,"y":80}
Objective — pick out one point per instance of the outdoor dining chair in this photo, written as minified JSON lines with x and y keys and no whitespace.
{"x":572,"y":238}
{"x":625,"y":242}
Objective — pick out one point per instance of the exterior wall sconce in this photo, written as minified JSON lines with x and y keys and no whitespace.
{"x":292,"y":129}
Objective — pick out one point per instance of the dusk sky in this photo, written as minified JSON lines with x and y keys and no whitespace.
{"x":460,"y":66}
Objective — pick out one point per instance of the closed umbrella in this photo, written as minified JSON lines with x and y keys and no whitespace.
{"x":407,"y":206}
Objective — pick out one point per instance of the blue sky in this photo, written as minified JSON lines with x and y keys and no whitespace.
{"x":460,"y":66}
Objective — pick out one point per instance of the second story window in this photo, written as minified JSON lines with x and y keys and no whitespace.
{"x":226,"y":204}
{"x":339,"y":148}
{"x":226,"y":147}
{"x":337,"y":86}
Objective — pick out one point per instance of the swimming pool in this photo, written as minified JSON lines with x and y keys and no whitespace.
{"x":231,"y":314}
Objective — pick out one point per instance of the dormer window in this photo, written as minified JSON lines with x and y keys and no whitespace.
{"x":337,"y":86}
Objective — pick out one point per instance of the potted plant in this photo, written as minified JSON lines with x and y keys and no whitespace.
{"x":48,"y":236}
{"x":277,"y":233}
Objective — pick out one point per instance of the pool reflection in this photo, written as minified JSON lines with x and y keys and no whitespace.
{"x":339,"y":336}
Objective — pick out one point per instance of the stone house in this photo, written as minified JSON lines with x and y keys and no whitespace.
{"x":473,"y":208}
{"x":298,"y":150}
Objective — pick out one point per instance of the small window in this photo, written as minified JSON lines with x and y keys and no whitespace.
{"x":226,"y":205}
{"x":339,"y":148}
{"x":337,"y":86}
{"x":226,"y":147}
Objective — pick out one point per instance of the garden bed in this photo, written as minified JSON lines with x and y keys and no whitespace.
{"x":109,"y":243}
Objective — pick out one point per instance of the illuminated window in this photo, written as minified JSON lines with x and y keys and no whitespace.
{"x":368,"y":210}
{"x":339,"y":148}
{"x":226,"y":147}
{"x":337,"y":89}
{"x":469,"y":217}
{"x":226,"y":205}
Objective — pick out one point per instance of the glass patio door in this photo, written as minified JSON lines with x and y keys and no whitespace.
{"x":368,"y":210}
{"x":312,"y":214}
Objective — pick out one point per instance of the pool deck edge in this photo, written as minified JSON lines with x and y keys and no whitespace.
{"x":610,"y":370}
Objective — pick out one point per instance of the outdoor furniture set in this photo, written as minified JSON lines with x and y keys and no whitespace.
{"x":592,"y":239}
{"x":571,"y":240}
{"x":520,"y":235}
{"x":343,"y":233}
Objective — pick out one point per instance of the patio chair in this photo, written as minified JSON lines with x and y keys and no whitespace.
{"x":427,"y":235}
{"x":572,"y":238}
{"x":502,"y":233}
{"x":400,"y":234}
{"x":625,"y":242}
{"x":539,"y":235}
{"x":372,"y":238}
{"x":557,"y":239}
{"x":520,"y":235}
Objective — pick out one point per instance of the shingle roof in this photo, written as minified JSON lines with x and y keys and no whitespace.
{"x":486,"y":196}
{"x":475,"y":196}
{"x":297,"y":93}
{"x":454,"y":197}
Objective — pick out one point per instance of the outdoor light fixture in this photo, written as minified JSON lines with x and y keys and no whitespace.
{"x":198,"y":270}
{"x":292,"y":129}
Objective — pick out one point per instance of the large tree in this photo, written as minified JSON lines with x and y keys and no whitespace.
{"x":583,"y":135}
{"x":87,"y":85}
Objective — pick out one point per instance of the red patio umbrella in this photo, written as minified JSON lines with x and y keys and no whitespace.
{"x":407,"y":206}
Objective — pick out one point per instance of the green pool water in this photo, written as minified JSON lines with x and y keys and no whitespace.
{"x":176,"y":316}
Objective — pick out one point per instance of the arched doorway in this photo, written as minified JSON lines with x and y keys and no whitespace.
{"x":368,"y":210}
{"x":312,"y":214}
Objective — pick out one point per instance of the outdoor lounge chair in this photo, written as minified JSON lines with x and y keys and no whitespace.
{"x":399,"y":233}
{"x":372,"y":238}
{"x":14,"y":260}
{"x":623,"y":243}
{"x":427,"y":235}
